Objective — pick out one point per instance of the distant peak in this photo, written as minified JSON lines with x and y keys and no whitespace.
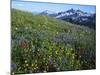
{"x":47,"y":12}
{"x":71,"y":10}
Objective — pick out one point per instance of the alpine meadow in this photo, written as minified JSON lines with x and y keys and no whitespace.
{"x":42,"y":43}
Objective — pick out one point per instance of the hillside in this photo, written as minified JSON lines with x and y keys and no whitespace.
{"x":45,"y":44}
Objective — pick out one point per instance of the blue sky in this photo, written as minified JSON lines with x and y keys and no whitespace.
{"x":40,"y":6}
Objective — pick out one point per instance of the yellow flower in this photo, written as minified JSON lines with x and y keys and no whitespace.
{"x":16,"y":28}
{"x":43,"y":58}
{"x":56,"y":52}
{"x":25,"y":61}
{"x":32,"y":65}
{"x":38,"y":50}
{"x":13,"y":73}
{"x":36,"y":61}
{"x":67,"y":53}
{"x":60,"y":58}
{"x":57,"y":32}
{"x":27,"y":65}
{"x":34,"y":68}
{"x":62,"y":49}
{"x":35,"y":65}
{"x":30,"y":50}
{"x":39,"y":25}
{"x":73,"y":56}
{"x":49,"y":56}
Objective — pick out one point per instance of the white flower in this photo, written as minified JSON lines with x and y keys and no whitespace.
{"x":16,"y":28}
{"x":26,"y":28}
{"x":33,"y":48}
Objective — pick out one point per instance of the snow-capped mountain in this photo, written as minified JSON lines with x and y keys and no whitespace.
{"x":74,"y":16}
{"x":47,"y":12}
{"x":73,"y":13}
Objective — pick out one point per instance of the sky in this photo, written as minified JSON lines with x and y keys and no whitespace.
{"x":40,"y":6}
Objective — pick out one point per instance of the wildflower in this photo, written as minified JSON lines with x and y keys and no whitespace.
{"x":57,"y":33}
{"x":49,"y":56}
{"x":80,"y":56}
{"x":26,"y":28}
{"x":73,"y":56}
{"x":44,"y":71}
{"x":24,"y":44}
{"x":33,"y":48}
{"x":13,"y":66}
{"x":30,"y":50}
{"x":55,"y":65}
{"x":50,"y":61}
{"x":12,"y":43}
{"x":34,"y":68}
{"x":39,"y":25}
{"x":30,"y":71}
{"x":32,"y":65}
{"x":37,"y":49}
{"x":16,"y":28}
{"x":27,"y":65}
{"x":13,"y":73}
{"x":64,"y":60}
{"x":44,"y":59}
{"x":58,"y":69}
{"x":25,"y":61}
{"x":56,"y":52}
{"x":36,"y":61}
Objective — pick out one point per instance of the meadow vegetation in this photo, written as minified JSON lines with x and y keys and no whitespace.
{"x":44,"y":44}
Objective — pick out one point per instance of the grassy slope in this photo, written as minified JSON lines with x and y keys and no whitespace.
{"x":41,"y":43}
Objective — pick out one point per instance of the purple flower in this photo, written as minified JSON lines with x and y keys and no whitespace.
{"x":64,"y":60}
{"x":50,"y":61}
{"x":13,"y":66}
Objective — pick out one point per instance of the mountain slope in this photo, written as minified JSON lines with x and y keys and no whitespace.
{"x":76,"y":17}
{"x":45,"y":44}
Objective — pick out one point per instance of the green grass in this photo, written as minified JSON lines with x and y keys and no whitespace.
{"x":45,"y":44}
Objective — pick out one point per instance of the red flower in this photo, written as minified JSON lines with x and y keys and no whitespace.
{"x":24,"y":44}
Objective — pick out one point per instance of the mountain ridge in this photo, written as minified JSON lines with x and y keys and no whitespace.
{"x":75,"y":16}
